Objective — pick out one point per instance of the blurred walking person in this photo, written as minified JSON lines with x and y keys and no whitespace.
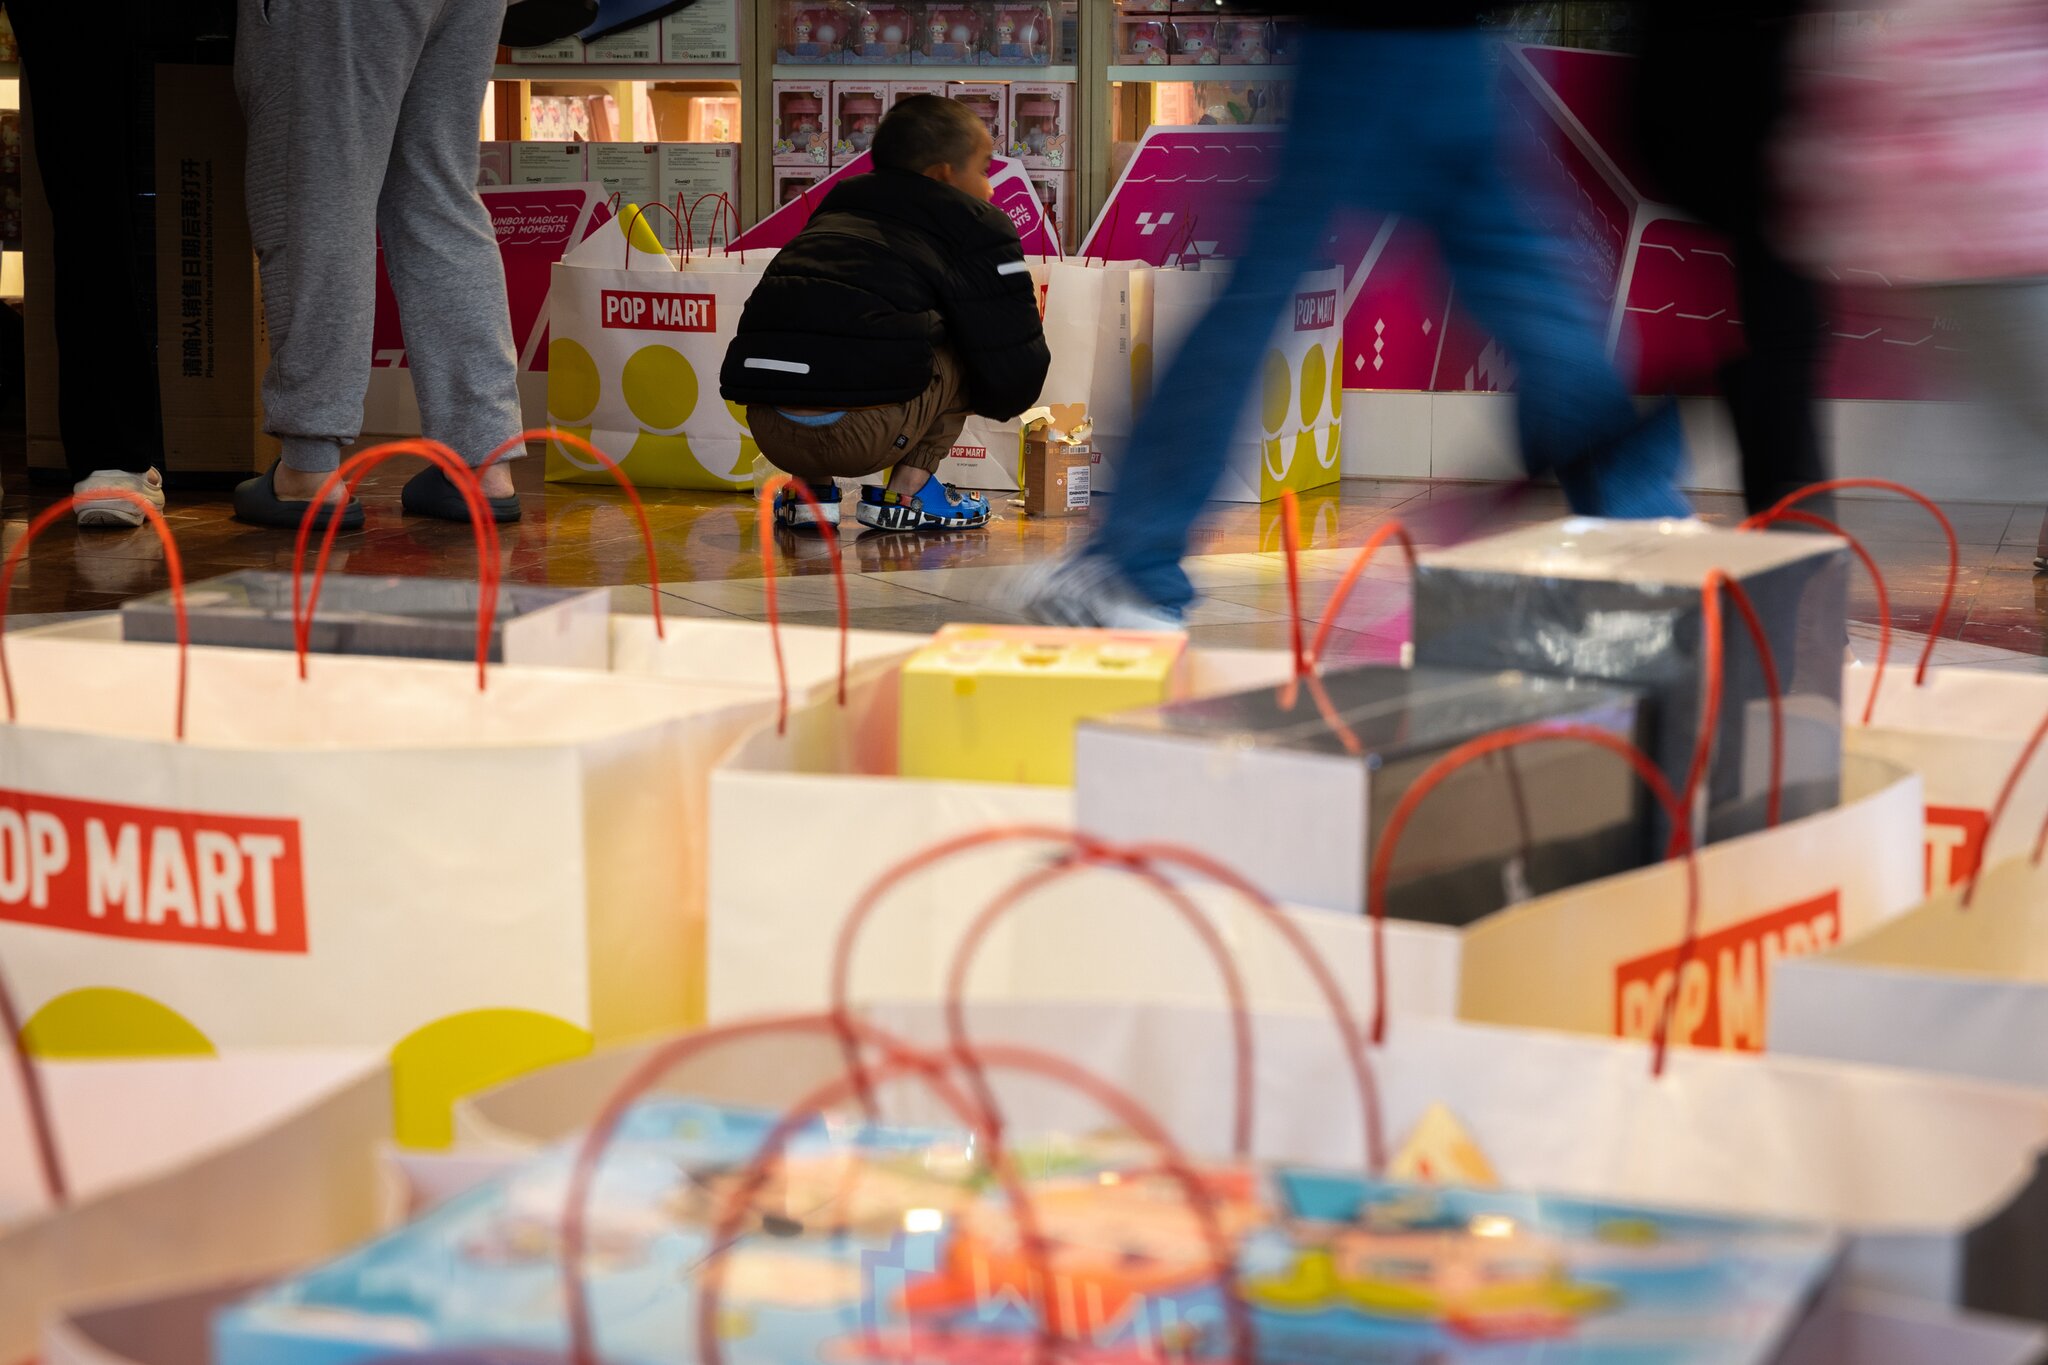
{"x":1394,"y":109}
{"x":1714,"y":82}
{"x":1922,"y":154}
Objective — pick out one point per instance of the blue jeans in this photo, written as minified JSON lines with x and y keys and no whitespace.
{"x":1404,"y":122}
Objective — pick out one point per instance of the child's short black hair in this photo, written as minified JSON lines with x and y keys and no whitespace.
{"x":925,"y":131}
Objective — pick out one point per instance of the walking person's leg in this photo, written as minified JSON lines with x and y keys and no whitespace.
{"x":322,"y":85}
{"x":1177,"y":454}
{"x":442,"y":255}
{"x":1772,"y":390}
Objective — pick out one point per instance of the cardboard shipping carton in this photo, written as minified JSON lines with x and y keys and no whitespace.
{"x":211,"y":345}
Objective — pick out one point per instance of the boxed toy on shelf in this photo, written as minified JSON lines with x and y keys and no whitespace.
{"x":1020,"y":33}
{"x":1042,"y":124}
{"x":1142,"y":40}
{"x":639,"y":45}
{"x":1055,"y":191}
{"x":1195,"y":40}
{"x":952,"y":36}
{"x":549,"y":163}
{"x":887,"y":34}
{"x":900,"y":91}
{"x":494,"y":163}
{"x":566,"y":52}
{"x":801,"y":135}
{"x":690,"y":170}
{"x":857,"y":109}
{"x":630,"y":170}
{"x":794,"y":183}
{"x":707,"y":31}
{"x":813,"y":31}
{"x":1245,"y":42}
{"x":990,"y":101}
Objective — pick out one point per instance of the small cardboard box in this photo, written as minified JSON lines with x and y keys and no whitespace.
{"x":857,"y":109}
{"x":900,"y":91}
{"x":691,"y":171}
{"x":706,"y":32}
{"x":549,"y":163}
{"x":803,"y":123}
{"x":1056,"y":477}
{"x":639,"y":45}
{"x":1000,"y":703}
{"x":631,"y":170}
{"x":494,"y":163}
{"x":565,"y":52}
{"x":1042,"y":124}
{"x":990,"y":101}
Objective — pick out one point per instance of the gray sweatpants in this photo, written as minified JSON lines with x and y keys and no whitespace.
{"x":363,"y":123}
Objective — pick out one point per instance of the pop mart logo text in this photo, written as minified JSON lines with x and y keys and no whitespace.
{"x":1726,"y":990}
{"x":223,"y":881}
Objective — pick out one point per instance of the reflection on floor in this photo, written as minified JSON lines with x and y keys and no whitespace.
{"x":706,"y":558}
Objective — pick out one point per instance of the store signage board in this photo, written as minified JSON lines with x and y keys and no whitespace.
{"x":1014,"y":195}
{"x":1666,"y":283}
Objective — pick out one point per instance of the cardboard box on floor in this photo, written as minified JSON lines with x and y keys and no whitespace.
{"x":211,"y":344}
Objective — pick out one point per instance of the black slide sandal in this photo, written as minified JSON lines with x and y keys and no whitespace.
{"x":429,"y":494}
{"x":257,"y":502}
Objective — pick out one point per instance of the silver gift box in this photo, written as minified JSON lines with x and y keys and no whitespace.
{"x":409,"y":618}
{"x":1620,"y":601}
{"x":1277,"y":793}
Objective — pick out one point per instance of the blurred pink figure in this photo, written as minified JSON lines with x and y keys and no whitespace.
{"x":1924,"y":156}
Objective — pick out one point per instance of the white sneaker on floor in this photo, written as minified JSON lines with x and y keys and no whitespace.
{"x":1086,"y":592}
{"x":117,"y":511}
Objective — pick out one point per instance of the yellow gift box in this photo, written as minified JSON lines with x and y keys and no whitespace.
{"x":1000,"y":703}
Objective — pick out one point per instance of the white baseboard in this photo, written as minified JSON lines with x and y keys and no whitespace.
{"x":1946,"y":450}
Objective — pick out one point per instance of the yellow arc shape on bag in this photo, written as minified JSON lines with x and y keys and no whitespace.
{"x":465,"y":1053}
{"x":632,"y":221}
{"x":103,"y":1022}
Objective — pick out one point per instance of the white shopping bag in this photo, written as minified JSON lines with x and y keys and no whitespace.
{"x":987,"y":453}
{"x":1601,"y":958}
{"x":832,"y":778}
{"x":1878,"y":1329}
{"x":184,"y":1169}
{"x":379,"y":856}
{"x":1963,"y":732}
{"x":1291,"y":435}
{"x":633,"y":360}
{"x":1958,"y":985}
{"x":1098,"y":324}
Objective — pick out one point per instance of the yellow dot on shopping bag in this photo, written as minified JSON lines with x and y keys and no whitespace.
{"x":660,"y":387}
{"x":466,"y":1053}
{"x":102,"y":1022}
{"x":1279,"y":391}
{"x":573,"y":383}
{"x":1315,"y":379}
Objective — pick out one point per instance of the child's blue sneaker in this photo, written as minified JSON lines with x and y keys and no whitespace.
{"x":791,"y":510}
{"x":933,"y":507}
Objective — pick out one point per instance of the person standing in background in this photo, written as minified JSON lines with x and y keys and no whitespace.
{"x":86,"y":104}
{"x":1395,"y":109}
{"x":1712,"y":92}
{"x":363,"y":124}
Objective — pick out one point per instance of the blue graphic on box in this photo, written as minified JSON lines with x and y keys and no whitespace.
{"x":874,"y":1244}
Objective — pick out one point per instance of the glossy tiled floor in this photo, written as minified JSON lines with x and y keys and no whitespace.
{"x":707,"y":558}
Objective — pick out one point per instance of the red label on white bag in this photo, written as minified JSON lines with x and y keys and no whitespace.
{"x":1955,"y":844}
{"x":970,"y":452}
{"x":221,"y":881}
{"x":1722,"y":1000}
{"x":1314,"y":312}
{"x":635,"y":312}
